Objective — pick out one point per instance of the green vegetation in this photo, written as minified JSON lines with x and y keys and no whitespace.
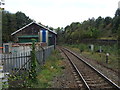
{"x":100,"y":57}
{"x":32,"y":72}
{"x":0,"y":67}
{"x":52,"y":67}
{"x":25,"y":78}
{"x":39,"y":76}
{"x":12,"y":22}
{"x":99,"y":28}
{"x":91,"y":29}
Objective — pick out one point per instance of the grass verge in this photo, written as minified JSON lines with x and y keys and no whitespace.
{"x":99,"y":57}
{"x":51,"y":68}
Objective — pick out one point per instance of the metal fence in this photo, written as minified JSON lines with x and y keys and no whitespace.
{"x":13,"y":62}
{"x":42,"y":54}
{"x":22,"y":61}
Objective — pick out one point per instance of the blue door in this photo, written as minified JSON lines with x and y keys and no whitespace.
{"x":43,"y":35}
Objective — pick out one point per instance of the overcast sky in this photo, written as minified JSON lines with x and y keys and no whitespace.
{"x":60,"y":13}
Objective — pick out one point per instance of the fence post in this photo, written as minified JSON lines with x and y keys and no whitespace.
{"x":43,"y":54}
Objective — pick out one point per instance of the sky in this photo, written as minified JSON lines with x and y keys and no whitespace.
{"x":60,"y":13}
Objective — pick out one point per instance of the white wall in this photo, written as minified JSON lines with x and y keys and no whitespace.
{"x":21,"y":49}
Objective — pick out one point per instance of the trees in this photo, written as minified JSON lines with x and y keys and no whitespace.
{"x":6,"y":26}
{"x":92,"y":28}
{"x":59,"y":32}
{"x":107,"y":20}
{"x":75,"y":32}
{"x":99,"y":23}
{"x":12,"y":22}
{"x":22,"y":19}
{"x":116,"y":21}
{"x":117,"y":13}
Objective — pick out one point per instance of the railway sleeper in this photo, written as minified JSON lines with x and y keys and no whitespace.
{"x":92,"y":81}
{"x":101,"y":88}
{"x":100,"y":85}
{"x":96,"y":82}
{"x":93,"y":78}
{"x":86,"y":73}
{"x":79,"y":82}
{"x":80,"y":85}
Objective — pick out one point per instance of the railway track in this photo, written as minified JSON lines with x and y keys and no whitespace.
{"x":89,"y":77}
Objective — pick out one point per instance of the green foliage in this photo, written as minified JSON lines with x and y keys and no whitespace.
{"x":26,"y":79}
{"x":113,"y":59}
{"x":52,"y":67}
{"x":19,"y":80}
{"x":12,"y":22}
{"x":32,"y":72}
{"x":118,"y":38}
{"x":95,"y":33}
{"x":111,"y":49}
{"x":107,"y":20}
{"x":117,"y":13}
{"x":22,"y":19}
{"x":116,"y":23}
{"x":82,"y":47}
{"x":91,"y":29}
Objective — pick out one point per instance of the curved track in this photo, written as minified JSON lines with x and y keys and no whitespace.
{"x":91,"y":78}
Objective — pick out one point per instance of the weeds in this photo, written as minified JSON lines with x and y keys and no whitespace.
{"x":52,"y":67}
{"x":96,"y":55}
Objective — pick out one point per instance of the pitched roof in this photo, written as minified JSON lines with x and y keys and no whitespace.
{"x":31,"y":24}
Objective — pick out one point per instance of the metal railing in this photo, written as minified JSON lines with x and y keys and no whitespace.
{"x":13,"y":62}
{"x":19,"y":64}
{"x":43,"y":53}
{"x":19,"y":61}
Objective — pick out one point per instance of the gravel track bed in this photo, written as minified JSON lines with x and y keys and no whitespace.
{"x":111,"y":74}
{"x":67,"y":79}
{"x":91,"y":77}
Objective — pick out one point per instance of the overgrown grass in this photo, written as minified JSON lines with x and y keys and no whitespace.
{"x":100,"y":57}
{"x":51,"y":68}
{"x":106,"y":48}
{"x":108,"y":38}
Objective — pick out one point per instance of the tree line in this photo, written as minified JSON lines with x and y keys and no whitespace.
{"x":12,"y":22}
{"x":92,"y":28}
{"x":73,"y":33}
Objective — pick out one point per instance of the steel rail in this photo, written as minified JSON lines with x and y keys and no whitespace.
{"x":99,"y":73}
{"x":80,"y":75}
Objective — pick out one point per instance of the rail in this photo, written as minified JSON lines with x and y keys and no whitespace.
{"x":80,"y":75}
{"x":99,"y":73}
